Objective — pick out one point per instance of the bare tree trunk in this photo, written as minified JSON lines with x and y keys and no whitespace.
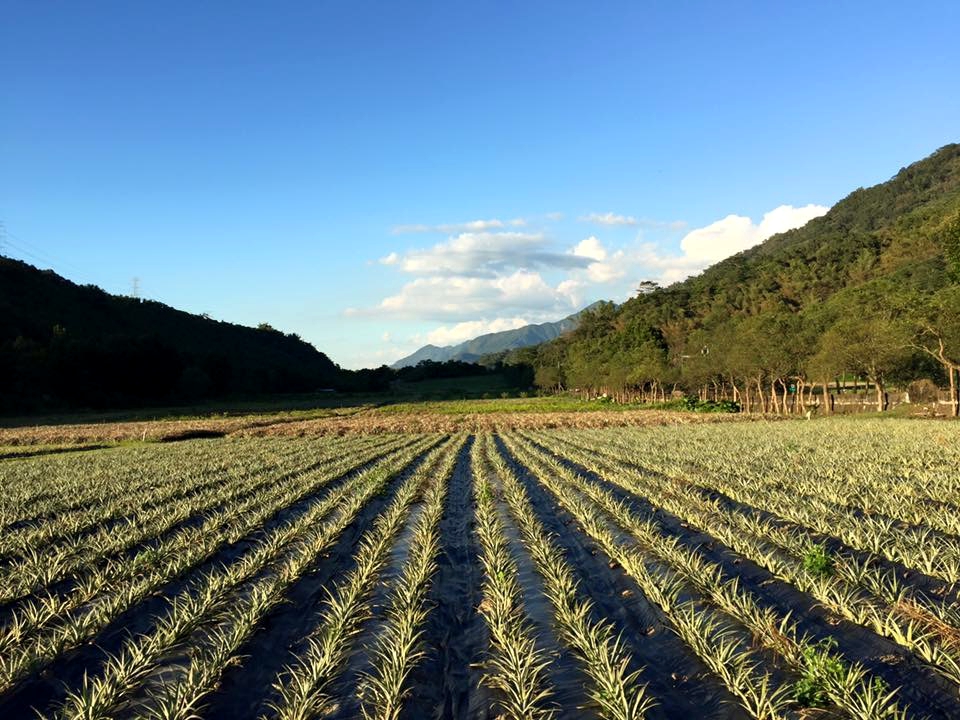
{"x":881,"y":400}
{"x":786,"y":408}
{"x":774,"y":401}
{"x":761,"y":397}
{"x":827,"y":399}
{"x":954,"y":397}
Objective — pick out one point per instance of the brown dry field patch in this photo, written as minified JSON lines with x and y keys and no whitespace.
{"x":263,"y":426}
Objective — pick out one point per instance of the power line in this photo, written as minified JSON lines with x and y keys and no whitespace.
{"x":25,"y":249}
{"x":31,"y":251}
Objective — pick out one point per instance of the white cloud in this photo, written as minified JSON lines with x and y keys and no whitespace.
{"x":460,"y":297}
{"x":590,"y":248}
{"x":609,"y":219}
{"x":450,"y":228}
{"x":484,"y":254}
{"x":607,"y":272}
{"x":571,"y":288}
{"x":735,"y":233}
{"x":606,"y":267}
{"x":456,"y":334}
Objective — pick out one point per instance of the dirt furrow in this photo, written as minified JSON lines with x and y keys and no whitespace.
{"x":448,"y":679}
{"x":681,"y":684}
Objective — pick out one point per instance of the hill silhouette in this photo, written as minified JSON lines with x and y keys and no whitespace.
{"x":65,"y":345}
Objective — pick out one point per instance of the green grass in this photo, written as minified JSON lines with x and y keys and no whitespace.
{"x":505,"y":405}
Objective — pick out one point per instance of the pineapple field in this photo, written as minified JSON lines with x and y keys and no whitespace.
{"x":718,"y":570}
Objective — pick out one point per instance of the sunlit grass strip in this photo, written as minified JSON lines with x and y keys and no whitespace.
{"x":202,"y":603}
{"x":617,"y":692}
{"x":516,"y":667}
{"x":398,"y":647}
{"x":850,"y":686}
{"x":304,"y":686}
{"x":713,"y":640}
{"x":27,"y":650}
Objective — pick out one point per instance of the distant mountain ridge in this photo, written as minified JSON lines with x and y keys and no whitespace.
{"x":498,"y":342}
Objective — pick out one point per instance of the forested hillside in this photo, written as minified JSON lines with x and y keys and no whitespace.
{"x":871,"y":288}
{"x":63,"y":345}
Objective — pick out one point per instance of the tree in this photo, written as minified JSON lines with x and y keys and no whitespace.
{"x":872,"y":346}
{"x":936,"y":321}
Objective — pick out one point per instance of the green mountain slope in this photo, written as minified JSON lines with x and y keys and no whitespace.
{"x":882,"y":253}
{"x":64,"y":345}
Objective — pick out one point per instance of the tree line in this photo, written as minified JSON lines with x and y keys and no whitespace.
{"x":870,"y":290}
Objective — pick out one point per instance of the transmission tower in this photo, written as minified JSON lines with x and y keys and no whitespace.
{"x":136,"y":288}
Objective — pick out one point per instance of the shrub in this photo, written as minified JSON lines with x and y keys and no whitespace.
{"x":821,"y":671}
{"x":695,"y":404}
{"x":817,"y":561}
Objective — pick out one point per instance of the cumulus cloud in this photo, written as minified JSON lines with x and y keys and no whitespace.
{"x":609,"y":218}
{"x":484,"y":254}
{"x":590,"y":248}
{"x":721,"y":239}
{"x":460,"y":332}
{"x":450,"y":228}
{"x":604,"y":267}
{"x":456,"y":297}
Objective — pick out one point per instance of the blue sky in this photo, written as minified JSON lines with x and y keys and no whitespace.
{"x":374,"y":176}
